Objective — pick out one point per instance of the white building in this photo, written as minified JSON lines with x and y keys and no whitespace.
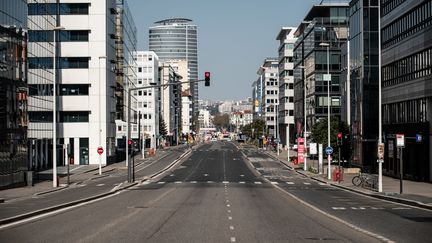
{"x":241,"y":118}
{"x":286,"y":82}
{"x":86,"y":81}
{"x":204,"y":119}
{"x":226,"y":107}
{"x":145,"y":102}
{"x":268,"y":75}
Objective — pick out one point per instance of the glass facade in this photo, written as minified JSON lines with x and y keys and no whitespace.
{"x":13,"y":92}
{"x":328,"y":24}
{"x":363,"y":82}
{"x":40,"y":85}
{"x":177,"y":39}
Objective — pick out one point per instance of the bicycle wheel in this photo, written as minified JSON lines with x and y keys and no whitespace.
{"x":356,"y":180}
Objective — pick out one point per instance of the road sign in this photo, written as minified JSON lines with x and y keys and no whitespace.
{"x":400,"y":140}
{"x":300,"y":150}
{"x":329,"y":150}
{"x":313,"y":148}
{"x":380,"y":151}
{"x":419,"y":138}
{"x":100,"y":150}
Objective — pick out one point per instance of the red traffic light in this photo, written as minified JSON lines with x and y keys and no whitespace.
{"x":130,"y":141}
{"x":207,"y":74}
{"x":340,"y":135}
{"x":207,"y":78}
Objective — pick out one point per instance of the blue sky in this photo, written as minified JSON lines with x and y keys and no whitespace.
{"x":234,"y":36}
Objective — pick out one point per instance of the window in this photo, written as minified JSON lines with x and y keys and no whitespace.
{"x":40,"y":62}
{"x":73,"y":62}
{"x":140,"y":69}
{"x":40,"y":89}
{"x":40,"y":116}
{"x":51,"y":8}
{"x":40,"y":36}
{"x":74,"y":116}
{"x":119,"y":128}
{"x":74,"y":35}
{"x":74,"y":89}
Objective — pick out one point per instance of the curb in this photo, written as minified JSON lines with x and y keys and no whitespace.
{"x":79,"y":201}
{"x":61,"y":206}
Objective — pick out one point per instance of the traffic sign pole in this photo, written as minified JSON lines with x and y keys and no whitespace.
{"x":100,"y":152}
{"x":329,"y":151}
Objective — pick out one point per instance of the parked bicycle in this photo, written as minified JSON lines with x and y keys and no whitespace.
{"x":364,"y":179}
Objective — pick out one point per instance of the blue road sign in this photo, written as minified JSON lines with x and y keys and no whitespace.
{"x":419,"y":138}
{"x":329,"y":150}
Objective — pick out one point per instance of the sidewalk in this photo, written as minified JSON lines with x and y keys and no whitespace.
{"x":78,"y":174}
{"x":414,"y":193}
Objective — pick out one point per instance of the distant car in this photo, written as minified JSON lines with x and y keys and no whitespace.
{"x":214,"y":139}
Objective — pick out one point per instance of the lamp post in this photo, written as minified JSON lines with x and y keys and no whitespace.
{"x":305,"y":117}
{"x":379,"y":99}
{"x":55,"y":29}
{"x":100,"y":115}
{"x":328,"y":79}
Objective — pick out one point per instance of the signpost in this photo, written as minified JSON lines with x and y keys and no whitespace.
{"x":329,"y":150}
{"x":100,"y":150}
{"x":300,"y":150}
{"x":400,"y":144}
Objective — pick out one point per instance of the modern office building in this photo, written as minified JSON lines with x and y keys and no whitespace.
{"x":269,"y":77}
{"x":286,"y":82}
{"x":359,"y":106}
{"x":13,"y":92}
{"x":145,"y":102}
{"x":86,"y":79}
{"x":176,"y":39}
{"x":170,"y":102}
{"x":326,"y":24}
{"x":406,"y":28}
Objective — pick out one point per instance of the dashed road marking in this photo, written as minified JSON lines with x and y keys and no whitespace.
{"x":242,"y":182}
{"x":231,"y":227}
{"x":229,"y":218}
{"x":225,"y":182}
{"x":400,"y":208}
{"x":193,"y":182}
{"x":210,"y":182}
{"x":178,"y":182}
{"x":229,"y":211}
{"x":228,"y":205}
{"x":242,"y":175}
{"x":290,"y":183}
{"x":306,"y":183}
{"x":274,"y":182}
{"x":100,"y":184}
{"x":338,"y":208}
{"x":233,"y":239}
{"x":322,"y":183}
{"x":161,"y":182}
{"x":205,"y":174}
{"x":172,"y":175}
{"x":258,"y":182}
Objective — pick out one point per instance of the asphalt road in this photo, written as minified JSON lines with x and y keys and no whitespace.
{"x":217,"y":195}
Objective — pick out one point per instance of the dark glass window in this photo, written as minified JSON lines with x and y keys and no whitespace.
{"x":51,"y":8}
{"x":40,"y":116}
{"x":74,"y":89}
{"x":40,"y":62}
{"x":40,"y":89}
{"x":40,"y":36}
{"x":74,"y":116}
{"x":74,"y":35}
{"x":73,"y":62}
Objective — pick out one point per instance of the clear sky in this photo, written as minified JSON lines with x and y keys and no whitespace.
{"x":234,"y":36}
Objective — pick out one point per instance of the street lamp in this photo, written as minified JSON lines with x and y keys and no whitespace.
{"x":305,"y":117}
{"x":55,"y":105}
{"x":328,"y":79}
{"x":100,"y":116}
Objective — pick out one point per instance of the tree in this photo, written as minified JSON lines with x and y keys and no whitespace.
{"x":255,"y":129}
{"x":162,"y":127}
{"x":319,"y":133}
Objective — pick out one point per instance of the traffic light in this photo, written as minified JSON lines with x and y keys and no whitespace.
{"x":207,"y":78}
{"x":339,"y":139}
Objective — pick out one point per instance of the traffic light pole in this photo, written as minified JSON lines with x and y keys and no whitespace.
{"x":131,"y":171}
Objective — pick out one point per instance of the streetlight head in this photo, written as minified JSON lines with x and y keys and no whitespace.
{"x":59,"y":28}
{"x":322,"y":44}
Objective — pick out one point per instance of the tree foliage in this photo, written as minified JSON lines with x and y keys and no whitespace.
{"x":319,"y":133}
{"x":255,"y":129}
{"x":221,"y":121}
{"x":162,"y":127}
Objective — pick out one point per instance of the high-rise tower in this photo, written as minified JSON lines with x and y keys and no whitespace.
{"x":176,"y":39}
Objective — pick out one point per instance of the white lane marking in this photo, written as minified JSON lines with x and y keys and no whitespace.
{"x":229,"y":211}
{"x":228,"y":205}
{"x":338,"y":208}
{"x":178,"y":182}
{"x":205,"y":174}
{"x":209,"y":181}
{"x":172,"y":175}
{"x":229,"y":218}
{"x":241,"y":175}
{"x":100,"y":184}
{"x":161,"y":182}
{"x":231,"y":227}
{"x":241,"y":182}
{"x":227,"y":201}
{"x":258,"y":182}
{"x":274,"y":182}
{"x":400,"y":208}
{"x":193,"y":182}
{"x":322,"y":183}
{"x":225,"y":182}
{"x":376,"y":208}
{"x":290,"y":183}
{"x":233,"y":239}
{"x":359,"y":208}
{"x":306,"y":183}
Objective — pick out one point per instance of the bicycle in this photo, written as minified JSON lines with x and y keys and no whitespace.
{"x":362,"y":179}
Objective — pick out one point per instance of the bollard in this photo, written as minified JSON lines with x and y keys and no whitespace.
{"x":58,"y":181}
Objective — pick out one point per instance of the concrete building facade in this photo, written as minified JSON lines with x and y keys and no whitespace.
{"x":269,"y":77}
